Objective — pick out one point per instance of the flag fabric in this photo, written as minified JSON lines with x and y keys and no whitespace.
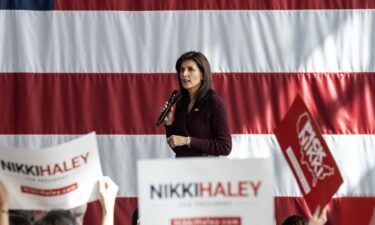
{"x":69,"y":67}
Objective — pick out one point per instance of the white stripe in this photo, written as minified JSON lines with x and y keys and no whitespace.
{"x":150,"y":42}
{"x":353,"y":153}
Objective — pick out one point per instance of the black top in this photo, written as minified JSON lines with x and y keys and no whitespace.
{"x":206,"y":124}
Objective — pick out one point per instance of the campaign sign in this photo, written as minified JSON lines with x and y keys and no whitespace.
{"x":205,"y":191}
{"x":308,"y":155}
{"x":59,"y":177}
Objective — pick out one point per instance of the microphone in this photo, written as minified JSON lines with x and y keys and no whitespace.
{"x":171,"y":101}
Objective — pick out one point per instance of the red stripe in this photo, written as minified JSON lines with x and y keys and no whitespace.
{"x":124,"y":210}
{"x":342,"y":103}
{"x":341,"y":211}
{"x":153,"y":5}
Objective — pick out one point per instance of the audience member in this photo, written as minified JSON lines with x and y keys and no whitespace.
{"x":57,"y":217}
{"x":295,"y":220}
{"x":19,"y":219}
{"x":26,"y":214}
{"x":107,"y":196}
{"x":79,"y":213}
{"x":4,"y":205}
{"x":319,"y":218}
{"x":135,"y":217}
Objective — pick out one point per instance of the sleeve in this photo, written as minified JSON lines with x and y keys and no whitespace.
{"x":221,"y":141}
{"x":168,"y":130}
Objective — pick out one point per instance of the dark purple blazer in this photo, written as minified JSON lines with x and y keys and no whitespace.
{"x":206,"y":124}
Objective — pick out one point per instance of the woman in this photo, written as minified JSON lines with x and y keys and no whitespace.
{"x":199,"y":126}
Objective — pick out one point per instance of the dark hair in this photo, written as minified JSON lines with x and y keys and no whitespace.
{"x":19,"y":220}
{"x":57,"y":217}
{"x":295,"y":220}
{"x":21,"y":216}
{"x":135,"y":217}
{"x":205,"y":90}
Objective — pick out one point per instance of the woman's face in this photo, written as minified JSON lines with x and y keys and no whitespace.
{"x":190,"y":75}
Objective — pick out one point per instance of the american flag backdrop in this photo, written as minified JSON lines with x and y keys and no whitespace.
{"x":69,"y":67}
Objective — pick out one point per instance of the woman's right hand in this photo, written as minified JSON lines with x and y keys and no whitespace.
{"x":168,"y":120}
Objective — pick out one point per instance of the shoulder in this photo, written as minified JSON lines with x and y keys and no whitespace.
{"x":216,"y":104}
{"x":217,"y":110}
{"x":215,"y":99}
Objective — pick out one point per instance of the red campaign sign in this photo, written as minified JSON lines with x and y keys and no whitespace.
{"x":308,"y":155}
{"x":207,"y":221}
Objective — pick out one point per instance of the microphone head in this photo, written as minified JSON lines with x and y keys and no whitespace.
{"x":174,"y":96}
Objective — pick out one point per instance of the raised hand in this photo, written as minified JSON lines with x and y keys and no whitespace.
{"x":318,"y":218}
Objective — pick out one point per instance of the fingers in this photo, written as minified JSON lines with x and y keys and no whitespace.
{"x":107,"y":194}
{"x":176,"y":140}
{"x":168,"y":119}
{"x":110,"y":185}
{"x":4,"y":196}
{"x":317,"y":212}
{"x":101,"y":185}
{"x":107,"y":185}
{"x":323,"y":215}
{"x":319,"y":217}
{"x":163,"y":108}
{"x":171,"y":141}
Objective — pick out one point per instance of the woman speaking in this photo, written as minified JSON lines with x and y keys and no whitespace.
{"x":198,"y":126}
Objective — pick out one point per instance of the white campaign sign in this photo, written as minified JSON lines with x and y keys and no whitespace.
{"x":59,"y":177}
{"x":212,"y":191}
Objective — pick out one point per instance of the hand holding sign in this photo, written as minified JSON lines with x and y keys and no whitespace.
{"x":4,"y":197}
{"x":308,"y":155}
{"x":319,"y":218}
{"x":44,"y":179}
{"x":4,"y":204}
{"x":107,"y":197}
{"x":107,"y":193}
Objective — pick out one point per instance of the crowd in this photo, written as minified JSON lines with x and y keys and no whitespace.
{"x":318,"y":218}
{"x":107,"y":196}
